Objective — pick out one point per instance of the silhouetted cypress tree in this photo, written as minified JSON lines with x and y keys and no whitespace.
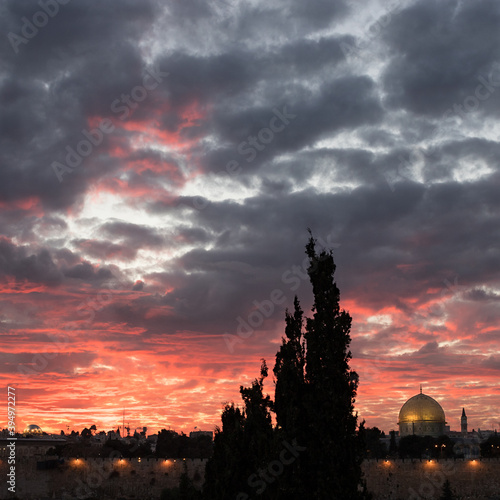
{"x":316,"y":390}
{"x":226,"y":468}
{"x":333,"y":447}
{"x":289,"y":403}
{"x":258,"y":428}
{"x":243,"y":447}
{"x":392,"y":445}
{"x":314,"y":405}
{"x":187,"y":491}
{"x":289,"y":373}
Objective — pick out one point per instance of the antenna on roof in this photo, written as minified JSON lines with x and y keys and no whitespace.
{"x":420,"y":388}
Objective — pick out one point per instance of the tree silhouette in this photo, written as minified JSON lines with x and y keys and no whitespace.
{"x":491,"y":447}
{"x":258,"y":429}
{"x":86,"y":433}
{"x":447,"y":493}
{"x":374,"y":447}
{"x":290,"y":401}
{"x":316,"y":425}
{"x":392,"y":445}
{"x":242,"y":446}
{"x":330,"y":467}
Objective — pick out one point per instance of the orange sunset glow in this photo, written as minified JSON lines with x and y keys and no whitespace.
{"x":160,"y":166}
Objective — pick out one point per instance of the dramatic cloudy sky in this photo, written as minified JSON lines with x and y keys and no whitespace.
{"x":161,"y":161}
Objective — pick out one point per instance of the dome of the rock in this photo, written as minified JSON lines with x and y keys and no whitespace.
{"x":423,"y":416}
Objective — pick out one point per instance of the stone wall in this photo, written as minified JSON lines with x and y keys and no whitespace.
{"x":144,"y":479}
{"x":99,"y":478}
{"x":414,"y":479}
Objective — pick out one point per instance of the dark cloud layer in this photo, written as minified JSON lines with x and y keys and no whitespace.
{"x":439,"y":49}
{"x":215,"y":135}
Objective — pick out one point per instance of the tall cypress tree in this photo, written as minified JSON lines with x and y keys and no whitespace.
{"x":316,"y":390}
{"x":334,"y":447}
{"x":289,"y":403}
{"x":258,"y":427}
{"x":243,"y":447}
{"x":226,"y":470}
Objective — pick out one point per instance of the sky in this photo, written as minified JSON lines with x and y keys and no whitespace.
{"x":161,"y":161}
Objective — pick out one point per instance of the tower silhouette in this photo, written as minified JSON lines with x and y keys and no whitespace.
{"x":463,"y":422}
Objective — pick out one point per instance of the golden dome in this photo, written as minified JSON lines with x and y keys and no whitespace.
{"x":33,"y":429}
{"x":421,"y":408}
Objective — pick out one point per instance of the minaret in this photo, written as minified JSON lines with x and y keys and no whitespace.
{"x":463,"y":422}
